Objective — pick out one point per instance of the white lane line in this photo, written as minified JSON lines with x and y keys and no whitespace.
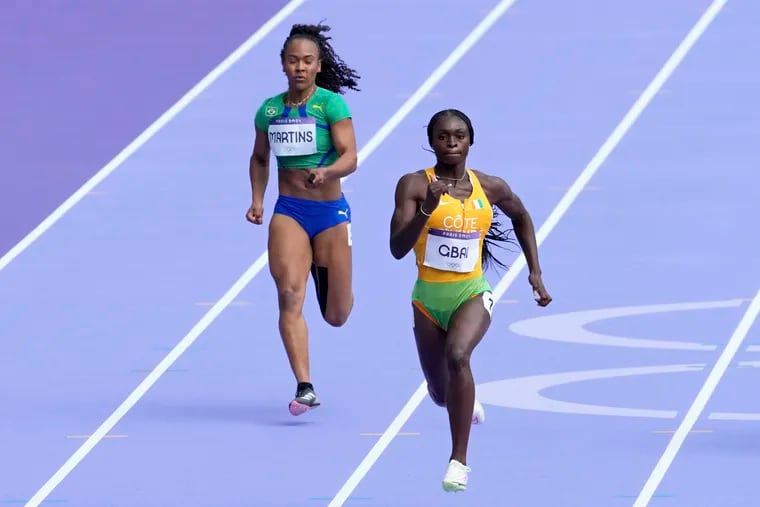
{"x":234,"y":291}
{"x":149,"y":132}
{"x":696,"y":408}
{"x":551,"y":222}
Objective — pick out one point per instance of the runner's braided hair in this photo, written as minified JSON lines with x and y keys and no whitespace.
{"x":335,"y":74}
{"x":496,"y":236}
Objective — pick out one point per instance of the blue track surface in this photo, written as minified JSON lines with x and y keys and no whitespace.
{"x":580,"y":406}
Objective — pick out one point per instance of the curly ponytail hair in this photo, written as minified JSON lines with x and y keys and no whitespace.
{"x":335,"y":74}
{"x":496,"y":236}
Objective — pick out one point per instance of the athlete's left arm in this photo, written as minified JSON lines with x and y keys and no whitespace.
{"x":344,"y":139}
{"x":501,"y":195}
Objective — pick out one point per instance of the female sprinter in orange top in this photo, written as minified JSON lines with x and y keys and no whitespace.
{"x":445,"y":214}
{"x":310,"y":131}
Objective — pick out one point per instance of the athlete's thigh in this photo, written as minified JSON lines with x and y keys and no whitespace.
{"x":431,"y":349}
{"x":332,"y":250}
{"x":290,"y":253}
{"x":468,"y":325}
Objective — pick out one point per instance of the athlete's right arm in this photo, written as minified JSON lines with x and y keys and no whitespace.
{"x":407,"y":221}
{"x":258,"y":170}
{"x":408,"y":218}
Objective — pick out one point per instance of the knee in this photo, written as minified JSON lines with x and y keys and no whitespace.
{"x":336,"y":318}
{"x":290,"y":297}
{"x":457,"y":359}
{"x":438,"y":397}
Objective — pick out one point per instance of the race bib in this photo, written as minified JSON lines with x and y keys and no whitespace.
{"x":488,"y":301}
{"x":293,"y":136}
{"x":451,"y":250}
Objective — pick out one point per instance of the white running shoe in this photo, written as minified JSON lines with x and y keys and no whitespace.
{"x":456,"y":477}
{"x":478,"y":413}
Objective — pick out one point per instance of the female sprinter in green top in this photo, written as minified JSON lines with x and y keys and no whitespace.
{"x":310,"y":131}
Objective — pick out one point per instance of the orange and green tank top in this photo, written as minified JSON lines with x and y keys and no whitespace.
{"x":450,"y":244}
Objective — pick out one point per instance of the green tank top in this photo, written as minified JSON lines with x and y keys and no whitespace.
{"x":300,"y":137}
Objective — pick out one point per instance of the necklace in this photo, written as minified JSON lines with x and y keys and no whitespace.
{"x":301,"y":102}
{"x":451,"y":180}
